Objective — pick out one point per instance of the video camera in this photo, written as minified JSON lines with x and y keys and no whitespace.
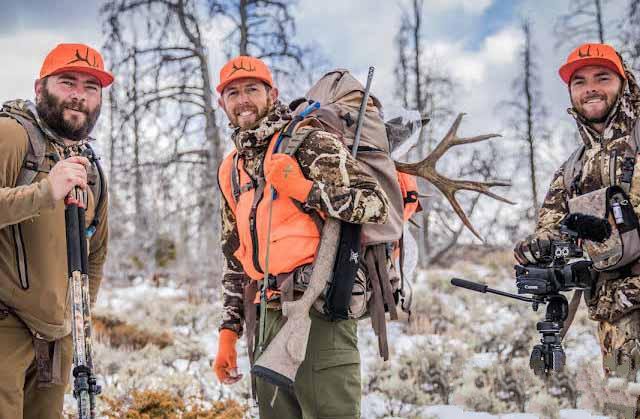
{"x":555,"y":272}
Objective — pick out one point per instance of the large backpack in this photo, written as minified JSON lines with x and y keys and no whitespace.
{"x":382,"y":288}
{"x":35,"y":158}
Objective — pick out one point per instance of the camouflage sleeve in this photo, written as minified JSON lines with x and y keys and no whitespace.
{"x":554,"y":208}
{"x":233,"y":276}
{"x":341,"y":187}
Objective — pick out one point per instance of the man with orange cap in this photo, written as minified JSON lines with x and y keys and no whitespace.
{"x":320,"y":179}
{"x":605,"y":100}
{"x":40,"y":163}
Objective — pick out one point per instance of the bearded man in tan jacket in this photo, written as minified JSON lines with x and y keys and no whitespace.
{"x":40,"y":163}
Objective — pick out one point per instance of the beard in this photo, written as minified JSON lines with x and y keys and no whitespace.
{"x":51,"y":110}
{"x":599,"y":117}
{"x":260,"y":114}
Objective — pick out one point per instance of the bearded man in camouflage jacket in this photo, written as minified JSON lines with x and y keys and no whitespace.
{"x":605,"y":100}
{"x":321,"y":177}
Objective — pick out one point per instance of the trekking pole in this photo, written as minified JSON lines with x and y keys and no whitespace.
{"x":85,"y":386}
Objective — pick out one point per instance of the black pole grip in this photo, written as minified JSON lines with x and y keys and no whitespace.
{"x":473,"y":286}
{"x":82,"y":241}
{"x":73,"y":244}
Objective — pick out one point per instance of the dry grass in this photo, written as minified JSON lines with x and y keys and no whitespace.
{"x":162,"y":404}
{"x":118,"y":334}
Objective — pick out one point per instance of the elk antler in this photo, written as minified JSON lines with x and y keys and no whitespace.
{"x":427,"y":170}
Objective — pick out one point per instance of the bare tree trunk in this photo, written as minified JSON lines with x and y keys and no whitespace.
{"x":402,"y":69}
{"x":140,"y":216}
{"x":599,"y":21}
{"x":583,"y":21}
{"x":211,"y":205}
{"x":417,"y":14}
{"x":529,"y":117}
{"x":244,"y":28}
{"x":113,"y":108}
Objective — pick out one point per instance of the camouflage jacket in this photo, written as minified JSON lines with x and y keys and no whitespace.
{"x":615,"y":297}
{"x":341,"y":189}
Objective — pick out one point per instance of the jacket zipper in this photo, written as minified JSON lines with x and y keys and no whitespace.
{"x":21,"y":256}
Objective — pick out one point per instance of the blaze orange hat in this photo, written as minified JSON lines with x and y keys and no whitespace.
{"x":244,"y":67}
{"x":591,"y":54}
{"x":76,"y":57}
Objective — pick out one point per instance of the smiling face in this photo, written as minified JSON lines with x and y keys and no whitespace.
{"x":246,"y":101}
{"x":594,"y":91}
{"x":69,"y":103}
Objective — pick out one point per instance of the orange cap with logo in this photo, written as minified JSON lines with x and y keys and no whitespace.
{"x":76,"y":57}
{"x":244,"y":67}
{"x":591,"y":54}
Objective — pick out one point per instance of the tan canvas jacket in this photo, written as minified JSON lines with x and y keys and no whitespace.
{"x":33,"y":259}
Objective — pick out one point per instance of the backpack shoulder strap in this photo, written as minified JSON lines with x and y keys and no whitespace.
{"x":628,"y":160}
{"x":572,"y":170}
{"x":36,"y":149}
{"x":292,"y":139}
{"x":98,"y":188}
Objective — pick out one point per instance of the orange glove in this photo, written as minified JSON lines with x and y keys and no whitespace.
{"x":284,"y":173}
{"x":225,"y":365}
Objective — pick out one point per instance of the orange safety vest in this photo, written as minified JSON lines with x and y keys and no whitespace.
{"x":294,"y":234}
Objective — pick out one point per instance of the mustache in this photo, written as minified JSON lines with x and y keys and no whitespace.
{"x":246,"y":108}
{"x":594,"y":96}
{"x":76,"y":105}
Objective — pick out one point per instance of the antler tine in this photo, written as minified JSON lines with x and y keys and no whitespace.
{"x":450,"y":195}
{"x":448,"y":187}
{"x":445,"y":143}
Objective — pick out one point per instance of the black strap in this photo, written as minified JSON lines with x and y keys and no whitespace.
{"x":412,"y":196}
{"x":235,"y":181}
{"x":101,"y":190}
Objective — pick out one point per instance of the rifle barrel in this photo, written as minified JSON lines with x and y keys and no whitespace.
{"x":362,"y":112}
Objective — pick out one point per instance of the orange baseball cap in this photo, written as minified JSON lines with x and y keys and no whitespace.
{"x":76,"y":57}
{"x":591,"y":54}
{"x":244,"y":67}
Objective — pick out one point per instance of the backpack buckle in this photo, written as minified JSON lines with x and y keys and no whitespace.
{"x":30,"y":165}
{"x":628,"y":165}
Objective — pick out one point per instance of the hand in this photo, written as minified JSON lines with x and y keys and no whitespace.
{"x":532,"y":250}
{"x":284,"y":173}
{"x":519,"y":251}
{"x":225,"y":365}
{"x":66,"y":174}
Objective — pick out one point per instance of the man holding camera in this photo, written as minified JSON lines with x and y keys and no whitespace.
{"x":600,"y":178}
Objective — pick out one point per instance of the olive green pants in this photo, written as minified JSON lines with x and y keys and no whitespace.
{"x":327,"y":384}
{"x":620,"y":346}
{"x":20,"y":396}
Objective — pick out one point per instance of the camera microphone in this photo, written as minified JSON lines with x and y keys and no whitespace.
{"x":588,"y":227}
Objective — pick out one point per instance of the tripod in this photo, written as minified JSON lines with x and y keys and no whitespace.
{"x":548,"y":355}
